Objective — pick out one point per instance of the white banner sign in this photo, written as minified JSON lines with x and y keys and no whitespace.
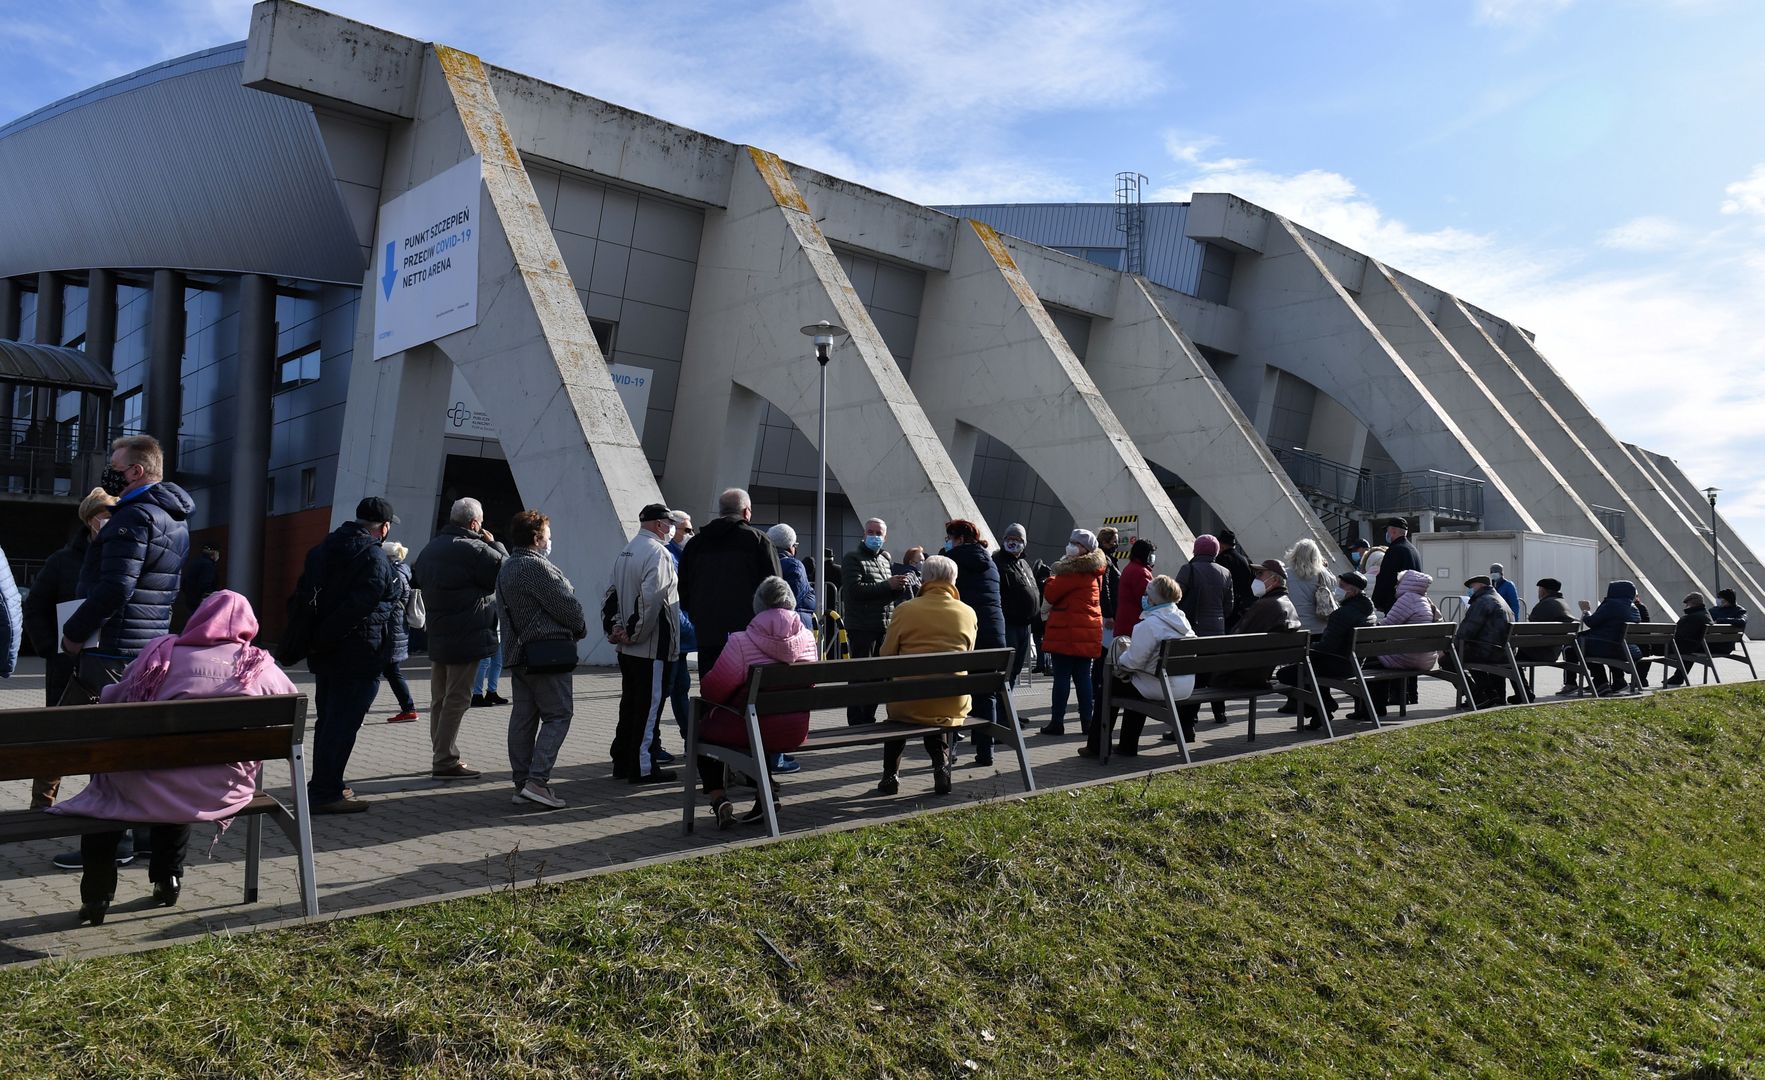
{"x":466,"y":416}
{"x":426,"y":260}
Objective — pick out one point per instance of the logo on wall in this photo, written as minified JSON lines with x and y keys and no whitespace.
{"x":459,"y":414}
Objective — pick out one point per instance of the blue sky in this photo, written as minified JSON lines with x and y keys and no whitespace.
{"x":1594,"y":169}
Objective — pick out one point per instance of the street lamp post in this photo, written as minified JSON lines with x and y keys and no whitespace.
{"x":1715,"y":557}
{"x":824,"y":334}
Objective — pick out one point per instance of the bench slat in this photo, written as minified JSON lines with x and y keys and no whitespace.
{"x":875,"y":668}
{"x":145,"y":718}
{"x":874,"y":693}
{"x":79,"y":758}
{"x":19,"y":826}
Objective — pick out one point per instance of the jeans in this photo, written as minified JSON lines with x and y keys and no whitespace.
{"x":401,"y":687}
{"x":1068,"y":672}
{"x":490,"y":669}
{"x":538,"y":723}
{"x":1017,"y":637}
{"x":681,"y":692}
{"x":339,"y":703}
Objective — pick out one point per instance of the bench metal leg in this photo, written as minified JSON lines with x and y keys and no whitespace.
{"x":1014,"y":735}
{"x":254,"y":839}
{"x":1366,"y":692}
{"x":691,"y":770}
{"x":303,"y":830}
{"x":1519,"y":679}
{"x":1106,"y":718}
{"x":1171,"y":704}
{"x":1250,"y":735}
{"x":762,"y":772}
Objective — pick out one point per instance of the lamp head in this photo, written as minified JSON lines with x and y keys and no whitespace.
{"x":1710,"y":493}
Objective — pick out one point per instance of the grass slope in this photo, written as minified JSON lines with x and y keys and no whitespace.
{"x":1569,"y":890}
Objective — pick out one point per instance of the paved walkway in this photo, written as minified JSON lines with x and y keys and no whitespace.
{"x":426,"y":839}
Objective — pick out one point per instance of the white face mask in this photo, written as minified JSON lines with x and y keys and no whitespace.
{"x":545,"y":549}
{"x":1151,"y":560}
{"x":1257,"y":588}
{"x":1072,"y":550}
{"x":1014,"y":546}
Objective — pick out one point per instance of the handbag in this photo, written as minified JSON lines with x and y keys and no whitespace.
{"x":415,"y":614}
{"x":548,"y":656}
{"x":1323,"y":600}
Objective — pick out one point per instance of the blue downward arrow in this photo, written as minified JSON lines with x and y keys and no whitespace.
{"x":387,"y":274}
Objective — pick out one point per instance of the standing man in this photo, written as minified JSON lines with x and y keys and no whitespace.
{"x":129,"y":579}
{"x":1400,"y":555}
{"x":1018,"y":596}
{"x":641,"y":615}
{"x":352,"y":638}
{"x":457,"y":573}
{"x":719,"y":572}
{"x":870,"y":590}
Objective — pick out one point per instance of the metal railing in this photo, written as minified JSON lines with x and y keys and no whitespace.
{"x":37,"y":459}
{"x":1429,"y":490}
{"x":1613,"y":519}
{"x":1314,"y":473}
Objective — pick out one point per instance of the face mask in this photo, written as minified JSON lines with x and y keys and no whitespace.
{"x":1355,"y":558}
{"x":1339,"y":593}
{"x":1072,"y":550}
{"x":1151,"y":561}
{"x":873,"y":541}
{"x":1494,"y":578}
{"x":1467,"y":598}
{"x":1257,"y":588}
{"x":1014,"y":546}
{"x":949,"y":545}
{"x":1146,"y":603}
{"x":545,"y":550}
{"x":113,"y":481}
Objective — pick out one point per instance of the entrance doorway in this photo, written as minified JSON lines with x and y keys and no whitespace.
{"x":489,"y":480}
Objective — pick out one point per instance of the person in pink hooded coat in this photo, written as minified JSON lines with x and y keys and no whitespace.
{"x":1411,"y":606}
{"x":213,"y":657}
{"x":774,"y":636}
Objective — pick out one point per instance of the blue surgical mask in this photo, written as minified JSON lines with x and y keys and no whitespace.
{"x":1146,"y":603}
{"x":1355,"y":557}
{"x":873,"y":541}
{"x":949,"y":545}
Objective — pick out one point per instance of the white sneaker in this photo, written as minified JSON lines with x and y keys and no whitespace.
{"x":540,"y":794}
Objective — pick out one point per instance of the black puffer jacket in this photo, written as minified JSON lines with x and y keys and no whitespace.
{"x":719,"y":570}
{"x":457,"y":573}
{"x":130,"y":575}
{"x":977,"y":583}
{"x":57,"y":583}
{"x":358,"y":599}
{"x":1400,"y":555}
{"x":1018,"y":596}
{"x":1338,"y":636}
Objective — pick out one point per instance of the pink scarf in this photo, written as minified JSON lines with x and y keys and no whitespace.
{"x":223,"y":618}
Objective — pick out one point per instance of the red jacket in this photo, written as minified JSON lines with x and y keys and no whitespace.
{"x":1135,"y":578}
{"x":1075,"y":623}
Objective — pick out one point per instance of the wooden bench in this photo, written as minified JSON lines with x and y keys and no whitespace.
{"x":1723,"y":634}
{"x":1207,"y":656}
{"x":1409,"y":639}
{"x":836,"y":684}
{"x":1562,"y":638}
{"x":85,"y":739}
{"x":1661,"y":636}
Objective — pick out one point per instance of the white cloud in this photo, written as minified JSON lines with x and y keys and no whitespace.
{"x":1659,"y":354}
{"x":1746,"y":196}
{"x":1647,"y":233}
{"x":1523,"y":12}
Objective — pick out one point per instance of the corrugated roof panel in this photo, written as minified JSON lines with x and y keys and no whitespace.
{"x":188,"y":170}
{"x":1171,"y":258}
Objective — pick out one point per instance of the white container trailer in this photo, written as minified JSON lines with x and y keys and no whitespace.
{"x":1525,"y":557}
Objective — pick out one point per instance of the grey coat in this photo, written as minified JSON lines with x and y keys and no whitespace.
{"x":537,"y":602}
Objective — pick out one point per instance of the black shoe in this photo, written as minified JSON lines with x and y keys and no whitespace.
{"x":985,"y":761}
{"x":941,"y":779}
{"x":1171,"y":736}
{"x":1088,"y":751}
{"x":341,"y":806}
{"x":1288,"y":709}
{"x":477,"y":701}
{"x":724,"y":811}
{"x":165,"y":893}
{"x":757,"y":812}
{"x":94,"y":913}
{"x":1517,"y":699}
{"x":494,"y":698}
{"x":657,"y":776}
{"x":621,"y":772}
{"x":1127,"y":751}
{"x":1053,"y":731}
{"x":889,"y":785}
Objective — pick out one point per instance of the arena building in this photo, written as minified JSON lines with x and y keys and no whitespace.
{"x":331,"y":261}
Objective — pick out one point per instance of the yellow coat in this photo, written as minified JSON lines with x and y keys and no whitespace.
{"x":934,"y":621}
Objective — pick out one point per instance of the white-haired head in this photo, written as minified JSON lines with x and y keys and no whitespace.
{"x":937,"y":568}
{"x":783,"y":537}
{"x":465,"y":512}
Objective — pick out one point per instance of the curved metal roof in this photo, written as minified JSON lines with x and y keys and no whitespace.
{"x":176,"y":166}
{"x":52,"y":365}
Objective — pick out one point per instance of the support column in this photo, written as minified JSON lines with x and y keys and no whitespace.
{"x":101,"y":316}
{"x":989,"y":356}
{"x":764,"y":270}
{"x":8,"y":309}
{"x":251,"y":436}
{"x":165,"y":365}
{"x":48,"y":327}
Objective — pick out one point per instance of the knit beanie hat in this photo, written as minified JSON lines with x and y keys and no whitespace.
{"x":1206,"y":544}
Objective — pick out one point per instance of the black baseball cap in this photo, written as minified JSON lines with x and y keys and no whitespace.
{"x":655,"y":512}
{"x":376,"y":510}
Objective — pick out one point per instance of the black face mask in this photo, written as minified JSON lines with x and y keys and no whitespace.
{"x":114,"y":481}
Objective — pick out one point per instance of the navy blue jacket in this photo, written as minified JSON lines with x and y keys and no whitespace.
{"x":977,"y":583}
{"x":791,"y":569}
{"x":358,"y":600}
{"x":1606,"y":623}
{"x":401,"y":630}
{"x":1505,"y":589}
{"x":130,"y":577}
{"x":1338,"y":636}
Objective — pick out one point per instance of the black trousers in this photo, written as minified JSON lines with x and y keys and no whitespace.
{"x":864,"y":643}
{"x":1128,"y":742}
{"x":643,"y":689}
{"x":937,"y":746}
{"x":98,"y":853}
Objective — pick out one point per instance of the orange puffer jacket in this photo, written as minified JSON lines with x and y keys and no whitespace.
{"x":1075,"y":623}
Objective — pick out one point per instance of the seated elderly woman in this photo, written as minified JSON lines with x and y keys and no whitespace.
{"x":935,"y":621}
{"x":774,"y":636}
{"x":212,"y":657}
{"x":1135,"y":670}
